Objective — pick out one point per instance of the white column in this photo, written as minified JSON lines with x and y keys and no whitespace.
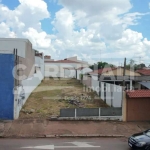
{"x":130,"y":84}
{"x":99,"y":112}
{"x":75,"y":112}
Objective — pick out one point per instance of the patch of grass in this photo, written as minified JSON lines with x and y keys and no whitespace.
{"x":48,"y":98}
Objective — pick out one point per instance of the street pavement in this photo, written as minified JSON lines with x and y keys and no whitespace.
{"x":65,"y":144}
{"x":34,"y":128}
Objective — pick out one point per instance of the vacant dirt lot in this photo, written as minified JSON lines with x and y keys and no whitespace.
{"x":52,"y":95}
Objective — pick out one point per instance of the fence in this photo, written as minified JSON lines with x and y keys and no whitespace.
{"x":90,"y":112}
{"x":110,"y":93}
{"x":87,"y":80}
{"x":95,"y":85}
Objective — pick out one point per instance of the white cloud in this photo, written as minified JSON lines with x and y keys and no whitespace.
{"x":64,"y":23}
{"x":5,"y":30}
{"x":24,"y":21}
{"x":99,"y":26}
{"x":99,"y":7}
{"x":38,"y":39}
{"x":90,"y":30}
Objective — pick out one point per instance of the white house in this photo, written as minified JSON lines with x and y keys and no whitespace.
{"x":69,"y":72}
{"x":58,"y":68}
{"x":82,"y":70}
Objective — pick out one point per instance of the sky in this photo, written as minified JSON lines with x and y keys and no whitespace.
{"x":93,"y":30}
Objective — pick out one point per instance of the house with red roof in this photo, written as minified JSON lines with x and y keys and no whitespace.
{"x":115,"y":76}
{"x":144,"y":72}
{"x":63,"y":68}
{"x":145,"y":82}
{"x":136,"y":105}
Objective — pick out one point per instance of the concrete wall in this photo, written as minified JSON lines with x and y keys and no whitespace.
{"x":6,"y":86}
{"x":110,"y":93}
{"x":102,"y":90}
{"x":109,"y":96}
{"x":138,"y":109}
{"x":24,"y":51}
{"x":83,"y":71}
{"x":87,"y":81}
{"x":78,"y":74}
{"x":39,"y":62}
{"x":90,"y":112}
{"x":28,"y":61}
{"x":95,"y":84}
{"x":54,"y":69}
{"x":117,"y":96}
{"x":113,"y":94}
{"x":86,"y":112}
{"x":111,"y":111}
{"x":8,"y":44}
{"x":28,"y":86}
{"x":57,"y":69}
{"x":69,"y":73}
{"x":69,"y":112}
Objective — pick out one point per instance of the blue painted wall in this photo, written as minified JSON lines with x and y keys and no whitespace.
{"x":6,"y":86}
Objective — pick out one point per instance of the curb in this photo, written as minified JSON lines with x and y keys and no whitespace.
{"x":65,"y":136}
{"x":84,"y":136}
{"x":118,"y":119}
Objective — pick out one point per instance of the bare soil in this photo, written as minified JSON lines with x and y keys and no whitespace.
{"x":52,"y":95}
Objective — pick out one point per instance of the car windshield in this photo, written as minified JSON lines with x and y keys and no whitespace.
{"x":147,"y":133}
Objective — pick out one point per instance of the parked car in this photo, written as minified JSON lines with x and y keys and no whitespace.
{"x":140,"y":140}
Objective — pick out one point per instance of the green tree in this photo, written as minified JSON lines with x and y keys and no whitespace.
{"x":134,"y":66}
{"x":101,"y":65}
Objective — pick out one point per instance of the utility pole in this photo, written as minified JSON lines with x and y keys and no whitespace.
{"x":124,"y":72}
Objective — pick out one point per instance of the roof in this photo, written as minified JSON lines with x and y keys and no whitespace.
{"x":15,"y":39}
{"x":114,"y":72}
{"x":61,"y":61}
{"x":81,"y":68}
{"x":100,"y":71}
{"x":138,"y":93}
{"x":144,"y":71}
{"x":66,"y":61}
{"x":145,"y":83}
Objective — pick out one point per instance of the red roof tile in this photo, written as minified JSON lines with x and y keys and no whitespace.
{"x":61,"y":61}
{"x":100,"y":71}
{"x":138,"y":93}
{"x":143,"y":71}
{"x":66,"y":61}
